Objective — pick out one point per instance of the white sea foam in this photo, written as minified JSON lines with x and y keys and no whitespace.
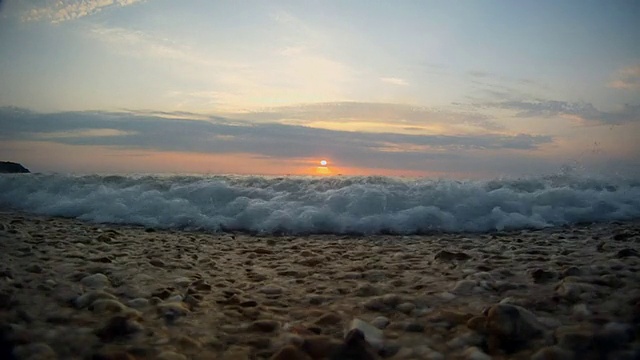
{"x":324,"y":205}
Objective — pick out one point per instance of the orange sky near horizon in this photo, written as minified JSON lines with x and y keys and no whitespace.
{"x":37,"y":157}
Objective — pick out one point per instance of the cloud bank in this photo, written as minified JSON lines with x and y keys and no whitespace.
{"x":269,"y":140}
{"x":583,"y":112}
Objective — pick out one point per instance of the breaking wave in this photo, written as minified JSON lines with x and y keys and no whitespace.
{"x":339,"y":205}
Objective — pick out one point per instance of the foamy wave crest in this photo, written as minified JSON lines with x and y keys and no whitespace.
{"x":338,"y":205}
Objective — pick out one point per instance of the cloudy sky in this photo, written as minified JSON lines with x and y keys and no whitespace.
{"x":464,"y":89}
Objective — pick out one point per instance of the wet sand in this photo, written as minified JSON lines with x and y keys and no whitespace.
{"x":75,"y":290}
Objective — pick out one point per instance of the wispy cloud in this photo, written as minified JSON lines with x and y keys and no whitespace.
{"x":65,"y":10}
{"x":627,"y":78}
{"x":394,"y":81}
{"x":362,"y":116}
{"x":583,"y":112}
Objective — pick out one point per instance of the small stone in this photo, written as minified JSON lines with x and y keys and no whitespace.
{"x":391,"y":300}
{"x":170,"y":355}
{"x":553,"y":353}
{"x":366,"y":290}
{"x":157,"y":263}
{"x":320,"y":346}
{"x":89,"y":298}
{"x":510,"y":326}
{"x":330,"y":318}
{"x":271,"y":290}
{"x":613,"y":336}
{"x":35,"y":268}
{"x":380,"y":322}
{"x":478,"y":324}
{"x":406,"y":307}
{"x":571,"y":271}
{"x":355,"y":346}
{"x":372,"y":335}
{"x":575,"y":337}
{"x":474,"y":353}
{"x":138,"y":303}
{"x":414,"y":327}
{"x":572,"y":291}
{"x":464,"y":287}
{"x":624,"y":253}
{"x":35,"y":351}
{"x":316,"y":299}
{"x":453,"y":317}
{"x":581,"y":311}
{"x":445,"y":255}
{"x":465,"y":340}
{"x":174,"y":298}
{"x":95,"y":281}
{"x":389,"y":350}
{"x":172,"y":311}
{"x":188,"y":343}
{"x":447,"y":296}
{"x":112,"y":355}
{"x":107,"y":306}
{"x":541,"y":276}
{"x":248,"y":303}
{"x":290,"y":352}
{"x":265,"y":325}
{"x":117,"y":327}
{"x":374,"y":304}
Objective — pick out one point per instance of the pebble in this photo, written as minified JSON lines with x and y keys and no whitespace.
{"x":553,"y":353}
{"x":474,"y":353}
{"x":170,"y":355}
{"x":96,"y":281}
{"x":290,"y":352}
{"x":510,"y":326}
{"x":380,"y":322}
{"x":574,"y":337}
{"x":35,"y":268}
{"x":414,"y":327}
{"x":87,"y":299}
{"x":35,"y":351}
{"x":445,"y":255}
{"x":117,"y":327}
{"x":406,"y":307}
{"x":573,"y":291}
{"x":464,"y":287}
{"x":372,"y":335}
{"x":355,"y":346}
{"x":265,"y":325}
{"x":330,"y":318}
{"x":138,"y":303}
{"x":271,"y":290}
{"x":320,"y":346}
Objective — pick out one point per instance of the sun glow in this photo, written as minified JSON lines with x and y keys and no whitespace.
{"x":323,"y":162}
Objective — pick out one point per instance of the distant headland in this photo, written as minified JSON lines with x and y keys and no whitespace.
{"x":11,"y":167}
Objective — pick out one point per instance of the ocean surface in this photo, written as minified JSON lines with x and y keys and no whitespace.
{"x":337,"y":205}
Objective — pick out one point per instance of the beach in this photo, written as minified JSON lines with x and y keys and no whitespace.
{"x":78,"y":290}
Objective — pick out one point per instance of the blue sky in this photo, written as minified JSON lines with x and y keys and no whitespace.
{"x":433,"y":88}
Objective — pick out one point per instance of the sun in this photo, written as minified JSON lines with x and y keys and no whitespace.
{"x":323,"y":162}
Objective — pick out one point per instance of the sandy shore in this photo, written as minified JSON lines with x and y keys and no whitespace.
{"x":73,"y":290}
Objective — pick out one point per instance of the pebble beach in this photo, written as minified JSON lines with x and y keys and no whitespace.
{"x":77,"y":290}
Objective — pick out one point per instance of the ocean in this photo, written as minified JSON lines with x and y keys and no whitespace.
{"x":324,"y":205}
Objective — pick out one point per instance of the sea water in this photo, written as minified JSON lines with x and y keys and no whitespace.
{"x":336,"y":205}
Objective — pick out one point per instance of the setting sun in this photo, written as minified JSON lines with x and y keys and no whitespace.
{"x":323,"y":162}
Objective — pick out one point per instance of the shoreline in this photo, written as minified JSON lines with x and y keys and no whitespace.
{"x":72,"y":289}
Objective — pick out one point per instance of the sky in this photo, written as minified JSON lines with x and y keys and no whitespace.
{"x":457,"y":89}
